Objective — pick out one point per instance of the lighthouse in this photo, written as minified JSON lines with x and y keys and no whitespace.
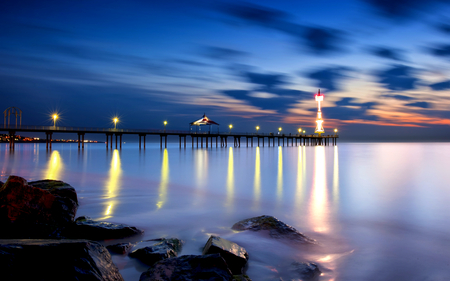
{"x":319,"y":127}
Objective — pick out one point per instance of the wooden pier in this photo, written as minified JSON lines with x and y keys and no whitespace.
{"x":197,"y":139}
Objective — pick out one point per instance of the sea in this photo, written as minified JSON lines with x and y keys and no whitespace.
{"x":378,"y":211}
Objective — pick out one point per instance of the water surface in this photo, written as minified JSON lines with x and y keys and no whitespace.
{"x":379,"y":211}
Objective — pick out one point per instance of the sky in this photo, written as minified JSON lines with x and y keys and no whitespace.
{"x":383,"y":66}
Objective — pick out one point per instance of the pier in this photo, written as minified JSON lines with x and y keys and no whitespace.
{"x":204,"y":139}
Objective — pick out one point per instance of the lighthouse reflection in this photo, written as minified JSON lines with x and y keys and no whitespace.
{"x":319,"y":208}
{"x":113,"y":182}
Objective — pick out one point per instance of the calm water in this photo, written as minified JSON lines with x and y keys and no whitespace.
{"x":380,"y":211}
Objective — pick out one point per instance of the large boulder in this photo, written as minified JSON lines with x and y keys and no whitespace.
{"x":159,"y":249}
{"x":190,"y":267}
{"x":277,"y":229}
{"x":36,"y":209}
{"x":235,"y":256}
{"x":86,"y":228}
{"x":55,"y":260}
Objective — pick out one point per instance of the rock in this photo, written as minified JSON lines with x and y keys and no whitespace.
{"x":277,"y":229}
{"x":162,"y":249}
{"x":306,"y":270}
{"x":190,"y":267}
{"x":120,"y":248}
{"x":40,"y":211}
{"x":37,"y":259}
{"x":1,"y":183}
{"x":235,"y":256}
{"x":86,"y":228}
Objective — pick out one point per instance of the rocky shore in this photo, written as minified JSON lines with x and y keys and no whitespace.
{"x":41,"y":239}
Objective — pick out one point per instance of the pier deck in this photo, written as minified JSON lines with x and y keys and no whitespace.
{"x":206,"y":138}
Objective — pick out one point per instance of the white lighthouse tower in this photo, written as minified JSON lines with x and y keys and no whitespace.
{"x":319,"y":127}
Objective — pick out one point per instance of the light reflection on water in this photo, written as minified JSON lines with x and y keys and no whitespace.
{"x":280,"y":175}
{"x":113,"y":184}
{"x":230,"y":179}
{"x":368,"y":205}
{"x":164,"y":180}
{"x":257,"y":180}
{"x":319,"y":196}
{"x":54,"y":167}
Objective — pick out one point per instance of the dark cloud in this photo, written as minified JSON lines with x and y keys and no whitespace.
{"x":281,"y":102}
{"x":398,"y":97}
{"x":442,"y":50}
{"x":440,"y":86}
{"x":319,"y":40}
{"x":398,"y":78}
{"x":444,"y":27}
{"x":221,"y":53}
{"x":255,"y":14}
{"x":330,"y":77}
{"x":268,"y":81}
{"x":350,"y":102}
{"x":421,"y":104}
{"x":404,"y":8}
{"x":323,"y":40}
{"x":387,"y":53}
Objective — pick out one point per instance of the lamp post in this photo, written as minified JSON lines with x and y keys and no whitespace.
{"x":279,"y":130}
{"x":165,"y":123}
{"x":257,"y":129}
{"x":304,"y":132}
{"x":115,"y":122}
{"x":335,"y":131}
{"x":299,"y":131}
{"x":55,"y":116}
{"x":231,"y":126}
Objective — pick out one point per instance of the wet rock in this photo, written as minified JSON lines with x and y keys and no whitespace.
{"x":277,"y":229}
{"x":306,"y":270}
{"x":86,"y":228}
{"x":235,"y":256}
{"x":120,"y":248}
{"x":160,"y":249}
{"x":190,"y":267}
{"x":36,"y":209}
{"x":36,"y":259}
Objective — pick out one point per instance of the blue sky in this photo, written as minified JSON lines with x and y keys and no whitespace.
{"x":382,"y":65}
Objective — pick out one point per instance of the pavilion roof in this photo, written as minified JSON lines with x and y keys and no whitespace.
{"x":203,"y":121}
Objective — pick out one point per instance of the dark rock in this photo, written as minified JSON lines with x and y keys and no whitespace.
{"x":1,"y":183}
{"x":187,"y":268}
{"x":160,"y":249}
{"x":120,"y":248}
{"x":306,"y":270}
{"x":86,"y":228}
{"x":55,"y":260}
{"x":40,"y":211}
{"x":235,"y":256}
{"x":277,"y":229}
